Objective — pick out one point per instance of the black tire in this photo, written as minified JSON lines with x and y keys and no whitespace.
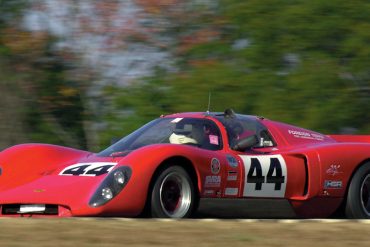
{"x":358,"y":197}
{"x":173,"y":194}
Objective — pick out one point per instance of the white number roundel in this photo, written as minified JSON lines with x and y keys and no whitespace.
{"x":265,"y":176}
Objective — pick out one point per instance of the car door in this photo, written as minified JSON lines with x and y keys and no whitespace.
{"x":264,"y":175}
{"x":274,"y":175}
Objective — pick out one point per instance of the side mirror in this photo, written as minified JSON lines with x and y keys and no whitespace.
{"x":246,"y":143}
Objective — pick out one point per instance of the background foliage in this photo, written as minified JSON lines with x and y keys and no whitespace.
{"x":302,"y":62}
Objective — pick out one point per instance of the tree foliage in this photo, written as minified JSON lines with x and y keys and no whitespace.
{"x":303,"y":62}
{"x":39,"y":102}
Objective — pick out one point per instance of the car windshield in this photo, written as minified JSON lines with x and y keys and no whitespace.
{"x":202,"y":133}
{"x":239,"y":127}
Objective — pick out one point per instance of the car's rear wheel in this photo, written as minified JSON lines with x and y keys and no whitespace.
{"x":173,"y":194}
{"x":358,"y":198}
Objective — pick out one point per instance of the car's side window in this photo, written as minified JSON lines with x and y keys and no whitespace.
{"x":202,"y":133}
{"x":266,"y":139}
{"x":241,"y":127}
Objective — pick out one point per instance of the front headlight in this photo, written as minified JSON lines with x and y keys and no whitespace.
{"x":119,"y":177}
{"x":111,"y":186}
{"x":107,"y":194}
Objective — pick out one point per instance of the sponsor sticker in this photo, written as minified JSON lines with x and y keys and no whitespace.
{"x":330,"y":184}
{"x":213,"y":139}
{"x":232,"y":161}
{"x":209,"y":192}
{"x":232,"y":176}
{"x":306,"y":135}
{"x":333,"y":170}
{"x":212,"y":181}
{"x":231,"y":191}
{"x":176,"y":120}
{"x":215,"y":166}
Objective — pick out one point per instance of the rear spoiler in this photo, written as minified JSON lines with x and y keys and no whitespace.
{"x":351,"y":138}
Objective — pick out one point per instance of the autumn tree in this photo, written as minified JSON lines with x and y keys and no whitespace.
{"x":303,"y":62}
{"x":39,"y":101}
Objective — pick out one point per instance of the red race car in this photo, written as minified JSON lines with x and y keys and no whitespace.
{"x":172,"y":163}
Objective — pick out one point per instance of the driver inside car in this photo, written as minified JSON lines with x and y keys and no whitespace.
{"x":183,"y":135}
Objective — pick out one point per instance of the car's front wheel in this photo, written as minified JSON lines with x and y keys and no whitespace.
{"x":173,"y":194}
{"x":358,"y":198}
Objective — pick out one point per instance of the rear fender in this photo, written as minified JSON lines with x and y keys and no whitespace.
{"x":351,"y":138}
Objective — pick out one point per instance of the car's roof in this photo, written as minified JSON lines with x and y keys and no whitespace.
{"x":291,"y":134}
{"x":186,"y":115}
{"x":203,"y":114}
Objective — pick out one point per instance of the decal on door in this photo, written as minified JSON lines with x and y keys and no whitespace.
{"x":265,"y":176}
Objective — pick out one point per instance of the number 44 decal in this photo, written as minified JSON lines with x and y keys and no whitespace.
{"x":88,"y":169}
{"x":265,"y":176}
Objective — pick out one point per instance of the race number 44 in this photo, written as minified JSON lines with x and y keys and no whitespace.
{"x":265,"y":176}
{"x":88,"y":169}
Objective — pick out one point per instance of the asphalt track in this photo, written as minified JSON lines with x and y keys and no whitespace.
{"x":193,"y":232}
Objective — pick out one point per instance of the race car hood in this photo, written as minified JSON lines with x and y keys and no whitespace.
{"x":69,"y":178}
{"x":70,"y":191}
{"x":37,"y":173}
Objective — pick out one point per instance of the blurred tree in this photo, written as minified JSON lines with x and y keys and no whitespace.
{"x":303,"y":62}
{"x":309,"y":48}
{"x":39,"y":102}
{"x":11,"y":104}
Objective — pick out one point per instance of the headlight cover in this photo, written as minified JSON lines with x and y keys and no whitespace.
{"x":111,"y":186}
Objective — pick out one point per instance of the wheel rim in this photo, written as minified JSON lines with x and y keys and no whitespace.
{"x":175,"y":195}
{"x":365,"y":194}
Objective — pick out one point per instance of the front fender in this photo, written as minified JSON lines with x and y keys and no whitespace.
{"x":21,"y":164}
{"x":144,"y":162}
